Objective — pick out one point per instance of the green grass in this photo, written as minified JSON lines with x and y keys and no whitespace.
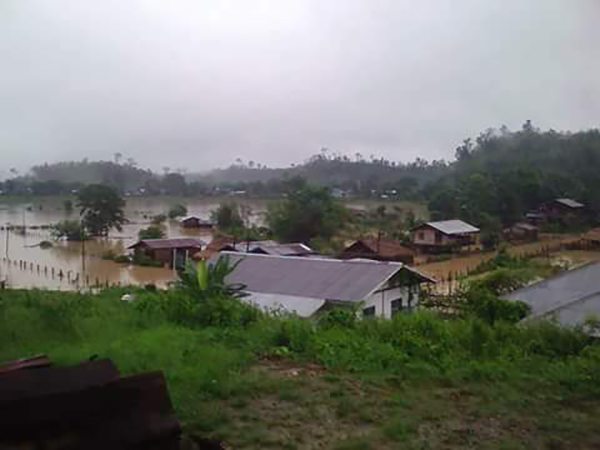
{"x":416,"y":382}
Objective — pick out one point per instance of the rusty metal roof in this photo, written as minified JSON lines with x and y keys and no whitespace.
{"x":158,"y":244}
{"x":328,"y":279}
{"x":383,"y":247}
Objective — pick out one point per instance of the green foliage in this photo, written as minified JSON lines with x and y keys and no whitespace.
{"x":306,"y":213}
{"x":44,"y":245}
{"x":101,"y":209}
{"x":339,"y":317}
{"x":151,"y":232}
{"x":159,"y":219}
{"x":68,"y":205}
{"x":178,"y":210}
{"x":71,"y":230}
{"x":485,"y":304}
{"x":504,"y":174}
{"x":144,"y":260}
{"x":227,"y":217}
{"x":204,"y":297}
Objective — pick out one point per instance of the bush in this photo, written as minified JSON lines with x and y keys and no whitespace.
{"x":71,"y":230}
{"x":151,"y":232}
{"x":45,"y":245}
{"x":178,"y":210}
{"x":143,"y":260}
{"x":159,"y":219}
{"x":122,"y":259}
{"x":109,"y":255}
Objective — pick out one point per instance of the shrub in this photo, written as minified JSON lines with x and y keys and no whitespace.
{"x":178,"y":210}
{"x":151,"y":232}
{"x":44,"y":245}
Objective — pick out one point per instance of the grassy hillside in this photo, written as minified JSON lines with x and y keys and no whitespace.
{"x":417,"y":381}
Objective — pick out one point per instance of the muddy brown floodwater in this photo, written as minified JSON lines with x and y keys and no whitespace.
{"x":24,"y":264}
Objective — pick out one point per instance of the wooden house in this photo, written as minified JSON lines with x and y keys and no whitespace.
{"x":522,"y":231}
{"x":257,"y":247}
{"x":171,"y":252}
{"x":196,"y":222}
{"x":562,"y":209}
{"x":379,"y":249}
{"x":447,"y":235}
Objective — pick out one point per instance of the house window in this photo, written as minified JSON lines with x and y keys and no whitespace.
{"x":438,"y":237}
{"x":369,"y":312}
{"x":421,"y":235}
{"x":396,"y":306}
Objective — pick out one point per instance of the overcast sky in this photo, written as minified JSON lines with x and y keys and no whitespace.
{"x":195,"y":84}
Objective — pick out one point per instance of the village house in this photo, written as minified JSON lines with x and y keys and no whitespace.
{"x":267,"y":247}
{"x":171,"y":252}
{"x":447,"y":235}
{"x":591,"y":239}
{"x":196,"y":222}
{"x":522,"y":231}
{"x":562,"y":209}
{"x":306,"y":286}
{"x":569,"y":298}
{"x":379,"y":249}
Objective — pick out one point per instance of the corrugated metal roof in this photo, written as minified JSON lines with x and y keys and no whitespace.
{"x":301,"y":306}
{"x":328,"y":279}
{"x":268,"y":247}
{"x":561,"y":291}
{"x":569,"y":202}
{"x":204,"y":221}
{"x":453,"y":227}
{"x":383,"y":247}
{"x":157,"y":244}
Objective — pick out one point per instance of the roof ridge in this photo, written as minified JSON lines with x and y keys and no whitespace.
{"x":329,"y":260}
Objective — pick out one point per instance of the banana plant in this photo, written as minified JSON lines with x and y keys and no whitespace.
{"x":209,"y":279}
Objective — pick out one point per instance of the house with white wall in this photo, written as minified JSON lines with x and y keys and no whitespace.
{"x":306,"y":286}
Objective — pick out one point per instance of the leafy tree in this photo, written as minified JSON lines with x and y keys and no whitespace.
{"x":306,"y":213}
{"x":178,"y":210}
{"x":174,"y":184}
{"x":151,"y":232}
{"x":101,"y":209}
{"x":227,"y":216}
{"x":71,"y":230}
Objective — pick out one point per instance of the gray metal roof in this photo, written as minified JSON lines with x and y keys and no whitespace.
{"x":328,"y":279}
{"x":453,"y":227}
{"x":569,"y":202}
{"x":157,"y":244}
{"x":565,"y":290}
{"x":269,"y":247}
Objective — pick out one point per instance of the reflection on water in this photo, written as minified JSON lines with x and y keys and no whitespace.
{"x":69,"y":266}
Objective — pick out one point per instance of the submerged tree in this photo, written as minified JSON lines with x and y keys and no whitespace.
{"x":101,"y":209}
{"x":307,"y":213}
{"x":151,"y":232}
{"x":71,"y":230}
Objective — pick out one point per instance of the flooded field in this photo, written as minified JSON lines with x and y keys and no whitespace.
{"x":441,"y":270}
{"x":69,"y":266}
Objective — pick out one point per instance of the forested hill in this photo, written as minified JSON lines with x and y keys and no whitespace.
{"x":497,"y":176}
{"x":503,"y":174}
{"x":123,"y":175}
{"x":356,"y":175}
